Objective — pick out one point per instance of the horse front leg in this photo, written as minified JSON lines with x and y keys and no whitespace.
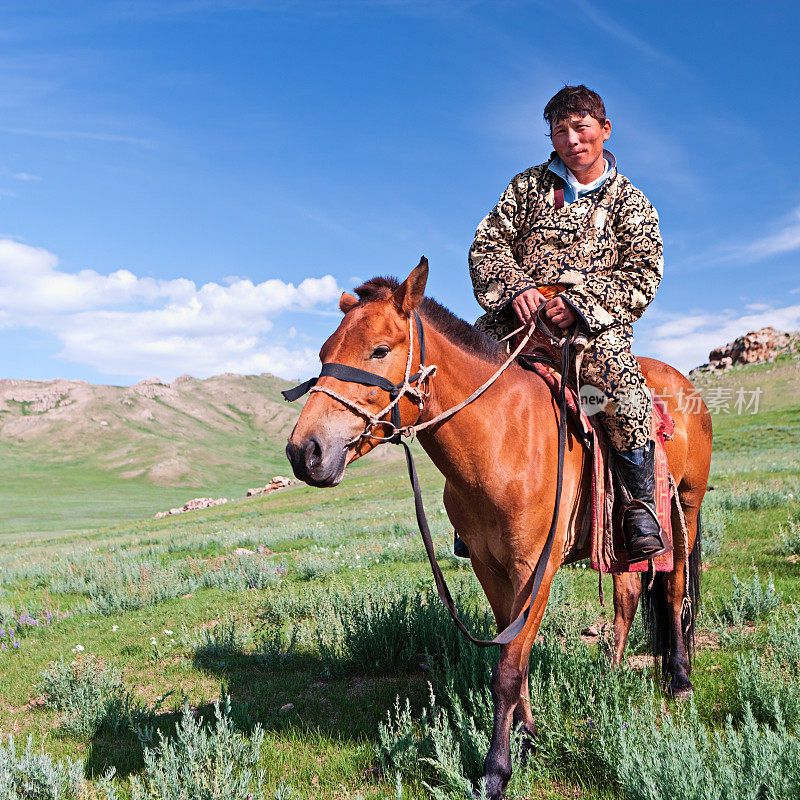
{"x":523,"y":716}
{"x":510,"y":691}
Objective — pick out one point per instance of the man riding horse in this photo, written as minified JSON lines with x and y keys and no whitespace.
{"x":399,"y":363}
{"x":574,"y":227}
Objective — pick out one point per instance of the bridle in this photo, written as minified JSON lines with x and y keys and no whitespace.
{"x":417,"y":394}
{"x":396,"y":391}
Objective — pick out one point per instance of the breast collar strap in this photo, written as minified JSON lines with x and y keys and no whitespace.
{"x":348,"y":374}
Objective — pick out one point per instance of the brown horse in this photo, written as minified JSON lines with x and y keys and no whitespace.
{"x":498,"y":456}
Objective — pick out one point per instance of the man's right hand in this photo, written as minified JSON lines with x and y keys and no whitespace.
{"x":526,"y":303}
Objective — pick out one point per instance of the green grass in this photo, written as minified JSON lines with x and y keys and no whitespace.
{"x":338,"y":552}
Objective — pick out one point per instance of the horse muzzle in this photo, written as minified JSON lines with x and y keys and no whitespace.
{"x":317,"y":463}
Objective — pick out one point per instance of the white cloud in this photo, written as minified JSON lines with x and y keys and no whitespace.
{"x":783,"y":240}
{"x":686,"y":341}
{"x":121,"y":324}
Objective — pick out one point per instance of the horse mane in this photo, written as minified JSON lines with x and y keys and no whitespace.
{"x":442,"y":319}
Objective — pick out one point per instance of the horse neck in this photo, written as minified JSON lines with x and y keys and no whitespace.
{"x":458,"y":374}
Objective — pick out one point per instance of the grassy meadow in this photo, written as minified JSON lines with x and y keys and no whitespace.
{"x":291,"y":646}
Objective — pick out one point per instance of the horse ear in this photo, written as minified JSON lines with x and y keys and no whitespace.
{"x":408,"y":295}
{"x":346,"y":302}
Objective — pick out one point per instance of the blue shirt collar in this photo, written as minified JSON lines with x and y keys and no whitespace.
{"x":558,"y":167}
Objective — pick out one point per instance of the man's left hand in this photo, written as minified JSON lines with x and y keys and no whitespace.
{"x":560,"y":313}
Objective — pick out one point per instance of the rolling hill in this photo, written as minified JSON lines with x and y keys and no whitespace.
{"x":186,"y":433}
{"x":74,"y":455}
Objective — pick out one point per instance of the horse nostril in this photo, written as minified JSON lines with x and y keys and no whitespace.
{"x":313,"y":452}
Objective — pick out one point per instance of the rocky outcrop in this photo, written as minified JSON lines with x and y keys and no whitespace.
{"x":194,"y":505}
{"x":278,"y":482}
{"x":37,"y":401}
{"x":755,"y":347}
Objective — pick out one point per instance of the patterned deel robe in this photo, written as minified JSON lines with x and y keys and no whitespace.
{"x":606,"y":249}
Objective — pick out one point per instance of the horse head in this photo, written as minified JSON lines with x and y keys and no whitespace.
{"x":373,"y":338}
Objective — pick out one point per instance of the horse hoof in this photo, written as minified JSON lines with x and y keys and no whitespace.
{"x":682,"y":693}
{"x":493,"y":789}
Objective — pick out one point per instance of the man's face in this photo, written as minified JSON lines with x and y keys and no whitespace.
{"x":579,"y":141}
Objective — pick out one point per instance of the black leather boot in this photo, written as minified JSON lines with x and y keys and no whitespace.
{"x":460,"y":548}
{"x":636,"y":471}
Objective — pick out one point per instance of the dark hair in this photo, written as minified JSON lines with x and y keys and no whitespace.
{"x":574,"y":100}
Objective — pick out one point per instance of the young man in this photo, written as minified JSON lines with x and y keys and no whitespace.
{"x":576,"y":226}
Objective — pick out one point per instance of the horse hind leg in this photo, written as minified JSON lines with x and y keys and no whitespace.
{"x":679,"y":665}
{"x":627,"y":589}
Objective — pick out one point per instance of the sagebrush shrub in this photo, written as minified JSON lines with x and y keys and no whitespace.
{"x":714,"y":521}
{"x":276,"y":646}
{"x":565,"y":615}
{"x":36,"y":775}
{"x":319,"y":562}
{"x":88,"y":695}
{"x":749,"y":602}
{"x":202,"y":761}
{"x":748,"y":498}
{"x":675,"y":757}
{"x":396,"y":627}
{"x":446,"y":744}
{"x":607,"y":724}
{"x":789,"y":538}
{"x":123,"y":581}
{"x":769,"y":679}
{"x":228,"y":638}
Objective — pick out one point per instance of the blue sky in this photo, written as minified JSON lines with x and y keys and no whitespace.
{"x":187,"y":186}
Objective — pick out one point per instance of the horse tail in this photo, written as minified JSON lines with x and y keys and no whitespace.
{"x":657,"y":616}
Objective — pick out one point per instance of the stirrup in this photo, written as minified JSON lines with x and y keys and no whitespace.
{"x":649,"y":555}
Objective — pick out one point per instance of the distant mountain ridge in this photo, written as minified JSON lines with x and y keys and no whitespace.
{"x":74,"y":456}
{"x":187,"y":432}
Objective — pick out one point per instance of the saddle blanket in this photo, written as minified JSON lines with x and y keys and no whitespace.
{"x":607,"y":551}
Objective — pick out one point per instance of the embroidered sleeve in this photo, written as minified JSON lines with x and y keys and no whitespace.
{"x":496,"y":275}
{"x":621,"y":296}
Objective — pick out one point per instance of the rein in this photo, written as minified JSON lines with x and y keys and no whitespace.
{"x":350,"y":374}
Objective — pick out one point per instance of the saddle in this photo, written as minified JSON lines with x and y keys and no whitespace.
{"x":603,"y":520}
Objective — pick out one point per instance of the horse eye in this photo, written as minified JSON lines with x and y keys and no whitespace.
{"x":380,"y":352}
